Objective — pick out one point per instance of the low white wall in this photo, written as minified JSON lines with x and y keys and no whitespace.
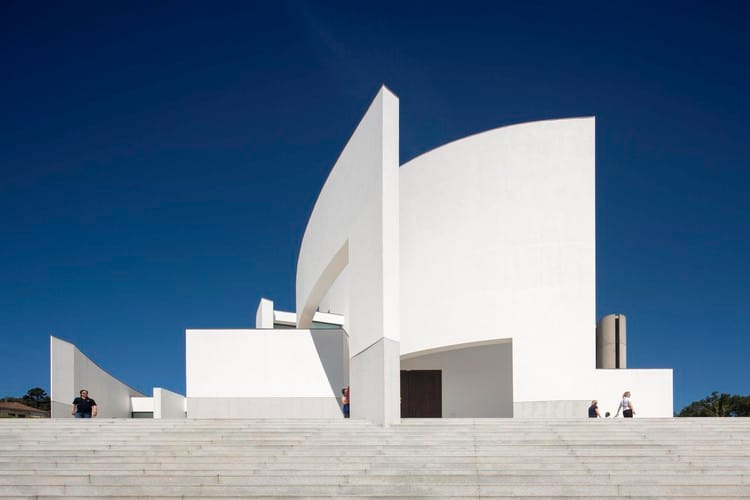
{"x":651,"y":395}
{"x":552,"y":409}
{"x":71,"y":371}
{"x":168,"y":404}
{"x":265,"y":373}
{"x":476,"y":381}
{"x":287,"y":408}
{"x":651,"y":391}
{"x":143,"y":404}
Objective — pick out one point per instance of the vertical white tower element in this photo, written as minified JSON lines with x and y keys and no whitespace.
{"x":355,"y":226}
{"x":264,"y":314}
{"x":611,"y":342}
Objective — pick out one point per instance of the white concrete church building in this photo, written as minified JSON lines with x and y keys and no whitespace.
{"x":460,"y":284}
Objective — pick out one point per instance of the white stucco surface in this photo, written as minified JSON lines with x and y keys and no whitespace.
{"x":258,"y":363}
{"x":168,"y":404}
{"x":354,"y":225}
{"x":142,"y":404}
{"x":497,"y":239}
{"x":477,"y":381}
{"x":354,"y":228}
{"x":247,"y":373}
{"x":502,"y":223}
{"x":651,"y":390}
{"x":264,"y":314}
{"x":485,"y":241}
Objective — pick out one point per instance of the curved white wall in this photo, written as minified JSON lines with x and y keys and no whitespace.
{"x":497,"y":238}
{"x":71,"y":371}
{"x":497,"y":241}
{"x":354,"y":227}
{"x":487,"y":238}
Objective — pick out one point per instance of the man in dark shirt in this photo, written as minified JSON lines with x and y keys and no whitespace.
{"x":84,"y":407}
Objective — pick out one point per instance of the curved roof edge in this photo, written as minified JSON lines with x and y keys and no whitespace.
{"x":492,"y":130}
{"x":455,"y":347}
{"x":97,"y":365}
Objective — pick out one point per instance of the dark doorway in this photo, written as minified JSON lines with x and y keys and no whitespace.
{"x":421,"y":394}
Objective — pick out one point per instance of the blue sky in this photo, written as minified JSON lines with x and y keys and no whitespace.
{"x":159,"y":160}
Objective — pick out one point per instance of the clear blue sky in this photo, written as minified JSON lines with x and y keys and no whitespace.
{"x":159,"y":160}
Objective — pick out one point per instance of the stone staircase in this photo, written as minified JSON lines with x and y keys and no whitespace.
{"x":500,"y":458}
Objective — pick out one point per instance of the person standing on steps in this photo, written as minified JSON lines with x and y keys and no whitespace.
{"x":84,"y":406}
{"x":594,"y":409}
{"x":626,"y":405}
{"x":345,"y":401}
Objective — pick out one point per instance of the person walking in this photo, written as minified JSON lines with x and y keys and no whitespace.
{"x":626,"y":405}
{"x":84,"y":406}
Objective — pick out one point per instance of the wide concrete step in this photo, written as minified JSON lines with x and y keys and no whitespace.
{"x":382,"y":490}
{"x":515,"y":478}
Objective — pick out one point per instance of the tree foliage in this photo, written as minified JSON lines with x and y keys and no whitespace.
{"x":718,"y":405}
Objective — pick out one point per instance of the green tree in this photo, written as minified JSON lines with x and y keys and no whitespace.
{"x":38,"y":398}
{"x":741,"y":406}
{"x":718,"y":405}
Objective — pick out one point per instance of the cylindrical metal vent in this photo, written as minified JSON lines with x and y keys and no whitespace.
{"x":611,"y":342}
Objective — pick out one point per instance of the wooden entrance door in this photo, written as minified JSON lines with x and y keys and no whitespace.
{"x":421,"y":394}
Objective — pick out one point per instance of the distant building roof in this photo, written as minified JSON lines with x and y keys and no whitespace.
{"x":12,"y":406}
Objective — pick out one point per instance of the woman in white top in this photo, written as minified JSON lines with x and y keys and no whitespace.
{"x":626,"y":406}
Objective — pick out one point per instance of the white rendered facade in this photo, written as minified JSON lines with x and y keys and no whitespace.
{"x":263,"y":373}
{"x":498,"y":235}
{"x":476,"y":259}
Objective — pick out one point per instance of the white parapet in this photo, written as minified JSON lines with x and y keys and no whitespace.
{"x":71,"y":371}
{"x":265,"y":373}
{"x":168,"y":404}
{"x":142,"y":404}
